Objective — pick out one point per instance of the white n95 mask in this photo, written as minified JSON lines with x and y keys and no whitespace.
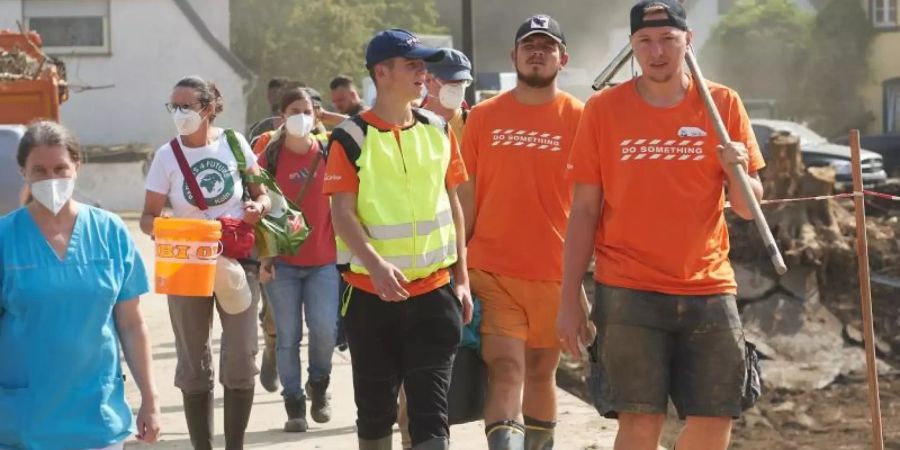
{"x":451,"y":95}
{"x":53,"y":193}
{"x":299,"y":125}
{"x":186,"y":122}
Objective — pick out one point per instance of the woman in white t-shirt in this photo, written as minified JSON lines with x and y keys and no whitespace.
{"x":194,"y":105}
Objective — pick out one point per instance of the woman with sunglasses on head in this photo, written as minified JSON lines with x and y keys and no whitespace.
{"x":70,"y":286}
{"x":210,"y":154}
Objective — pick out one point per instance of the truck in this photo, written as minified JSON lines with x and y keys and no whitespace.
{"x":32,"y":84}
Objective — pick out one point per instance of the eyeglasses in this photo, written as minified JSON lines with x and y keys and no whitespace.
{"x":172,"y":107}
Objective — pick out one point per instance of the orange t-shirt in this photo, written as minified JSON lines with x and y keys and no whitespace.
{"x":341,"y":176}
{"x":517,"y":155}
{"x":662,"y":227}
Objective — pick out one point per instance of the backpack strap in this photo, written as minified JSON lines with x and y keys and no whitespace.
{"x":311,"y":173}
{"x":235,"y":146}
{"x":273,"y":150}
{"x":430,"y":118}
{"x":351,"y":134}
{"x":189,"y":177}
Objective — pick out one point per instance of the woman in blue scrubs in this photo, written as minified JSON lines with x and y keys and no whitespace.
{"x":70,"y":281}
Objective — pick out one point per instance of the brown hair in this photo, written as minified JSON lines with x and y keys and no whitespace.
{"x":50,"y":134}
{"x":209,"y":93}
{"x":291,"y":95}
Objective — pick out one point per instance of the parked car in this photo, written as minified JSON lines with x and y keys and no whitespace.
{"x":887,"y":145}
{"x":816,"y":151}
{"x":10,"y":177}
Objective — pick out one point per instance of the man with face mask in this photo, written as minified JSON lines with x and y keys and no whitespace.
{"x":446,"y":82}
{"x":650,"y":177}
{"x":516,"y":205}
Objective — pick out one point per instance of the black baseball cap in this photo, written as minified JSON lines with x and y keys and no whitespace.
{"x":541,"y":24}
{"x":396,"y":42}
{"x":677,"y":17}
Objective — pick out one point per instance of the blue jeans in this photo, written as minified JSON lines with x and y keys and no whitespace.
{"x":295,"y":289}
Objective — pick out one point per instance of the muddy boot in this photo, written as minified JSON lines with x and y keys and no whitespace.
{"x":433,"y":444}
{"x":320,"y":410}
{"x":268,"y":371}
{"x":505,"y":435}
{"x":238,"y":403}
{"x":296,"y":412}
{"x":198,"y":412}
{"x":375,"y":444}
{"x":538,"y":434}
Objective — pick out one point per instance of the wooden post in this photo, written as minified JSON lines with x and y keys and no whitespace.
{"x":865,"y":291}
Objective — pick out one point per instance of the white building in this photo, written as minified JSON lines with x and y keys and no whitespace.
{"x":124,"y":56}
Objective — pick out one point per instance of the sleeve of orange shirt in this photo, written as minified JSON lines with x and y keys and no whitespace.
{"x":470,"y":142}
{"x":456,"y":171}
{"x":340,"y":175}
{"x":584,"y":161}
{"x":741,"y":130}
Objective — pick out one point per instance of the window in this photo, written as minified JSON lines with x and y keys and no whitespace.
{"x":884,"y":13}
{"x":892,"y":106}
{"x":70,"y":27}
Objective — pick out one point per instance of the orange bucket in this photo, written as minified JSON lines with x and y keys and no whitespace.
{"x":186,"y":253}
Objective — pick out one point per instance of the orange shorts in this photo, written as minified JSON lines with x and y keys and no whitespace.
{"x":517,"y":308}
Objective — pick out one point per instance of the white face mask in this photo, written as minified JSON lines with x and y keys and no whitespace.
{"x":186,"y":122}
{"x":451,"y":95}
{"x":299,"y":125}
{"x":53,"y":193}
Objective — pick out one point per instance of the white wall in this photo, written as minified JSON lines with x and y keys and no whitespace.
{"x":152,"y":46}
{"x":217,"y":17}
{"x":10,"y":12}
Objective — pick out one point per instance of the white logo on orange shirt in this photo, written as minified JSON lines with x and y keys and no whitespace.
{"x":526,"y":139}
{"x":333,"y":177}
{"x":691,"y":132}
{"x":657,"y":149}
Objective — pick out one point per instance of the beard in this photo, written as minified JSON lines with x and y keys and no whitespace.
{"x":535,"y":80}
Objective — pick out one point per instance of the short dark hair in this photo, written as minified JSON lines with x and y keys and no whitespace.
{"x":278,"y":82}
{"x":209,"y":93}
{"x":341,"y":81}
{"x":47,"y":133}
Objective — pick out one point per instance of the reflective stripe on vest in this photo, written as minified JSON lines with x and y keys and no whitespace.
{"x":405,"y":263}
{"x":402,"y":201}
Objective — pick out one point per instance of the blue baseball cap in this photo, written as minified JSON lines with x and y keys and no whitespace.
{"x":455,"y":66}
{"x":397,"y":42}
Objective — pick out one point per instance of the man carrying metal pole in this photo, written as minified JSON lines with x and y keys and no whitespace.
{"x":646,"y":154}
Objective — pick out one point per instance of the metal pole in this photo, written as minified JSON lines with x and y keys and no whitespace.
{"x":865,"y":291}
{"x":468,"y":38}
{"x":613,"y":68}
{"x":743,"y":179}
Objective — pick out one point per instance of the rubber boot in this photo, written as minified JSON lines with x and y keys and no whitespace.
{"x":317,"y":390}
{"x":198,"y":412}
{"x":296,"y":411}
{"x":505,"y":435}
{"x":538,"y":434}
{"x":238,"y":403}
{"x":268,"y":371}
{"x":433,"y":444}
{"x":376,"y":444}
